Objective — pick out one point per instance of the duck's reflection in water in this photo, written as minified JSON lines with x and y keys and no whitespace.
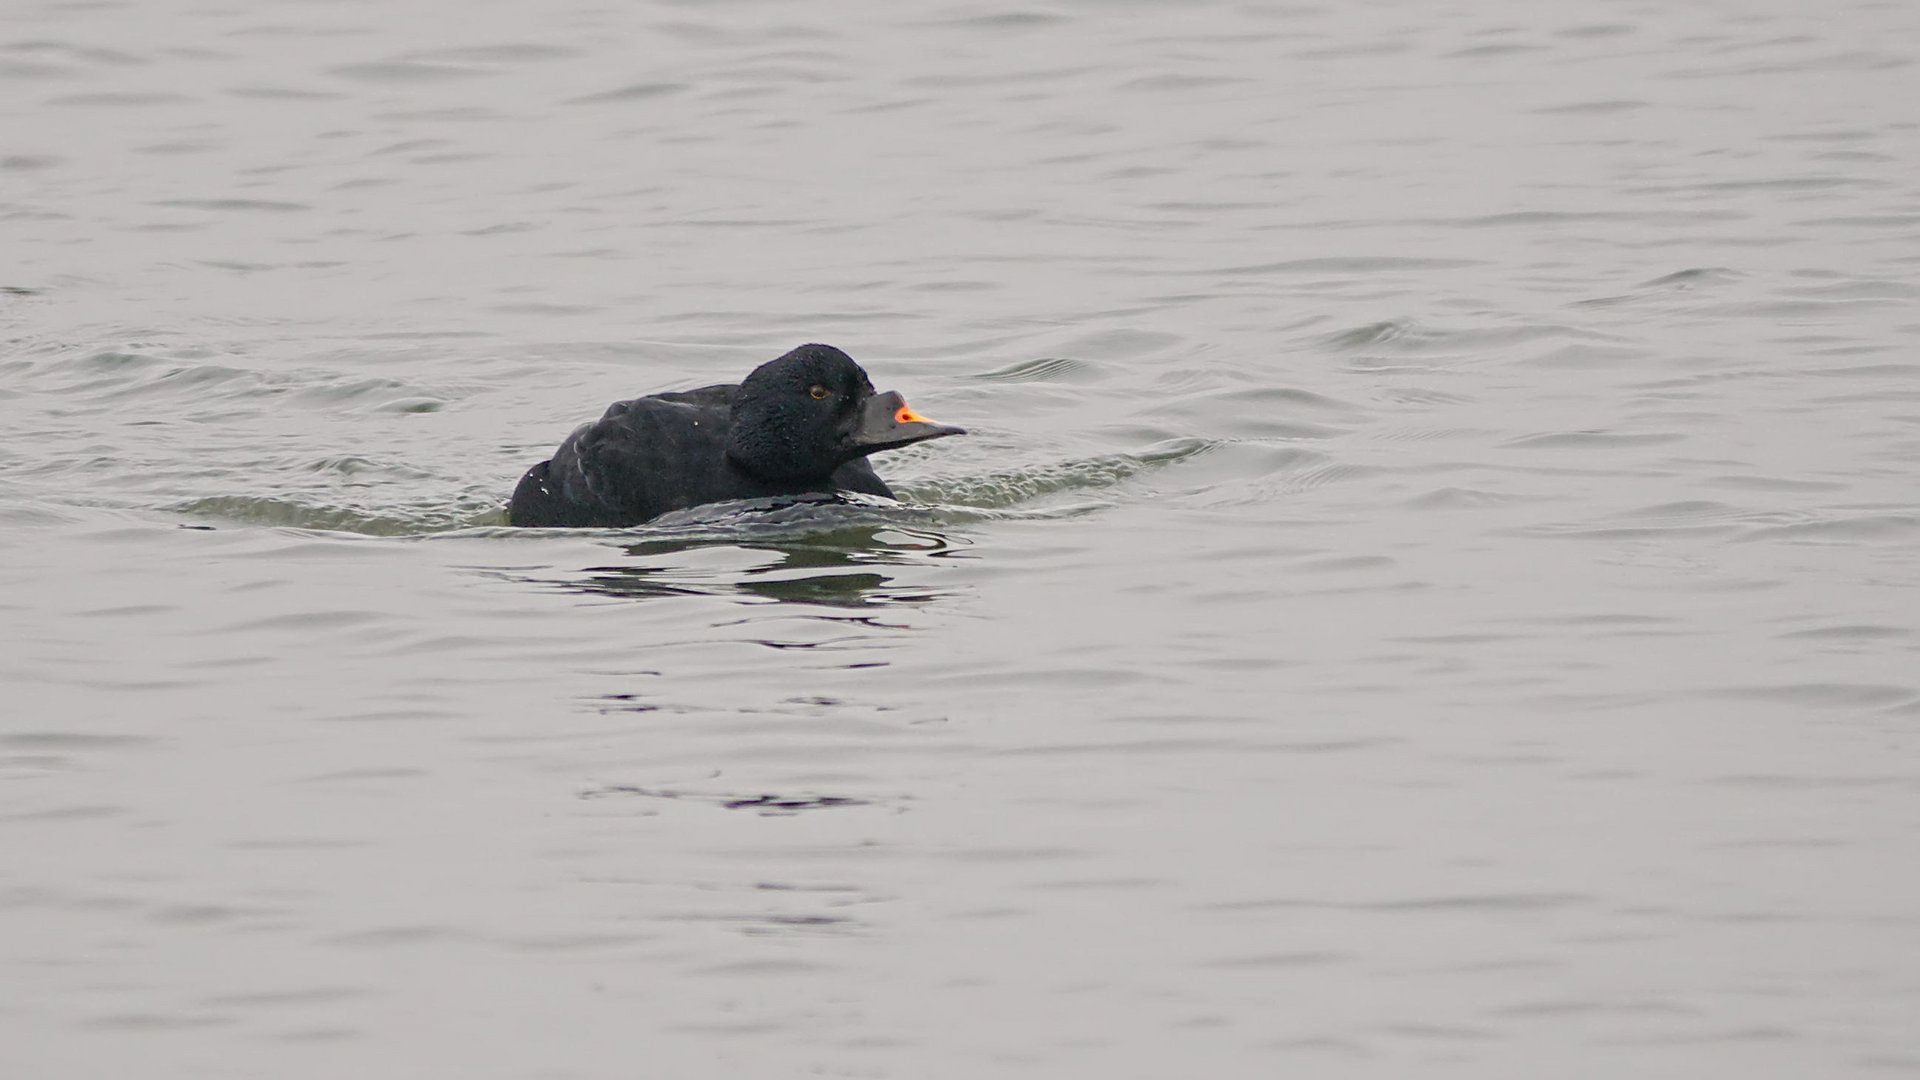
{"x":862,"y":566}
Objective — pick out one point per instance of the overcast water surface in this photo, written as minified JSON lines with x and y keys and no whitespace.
{"x":1430,"y":590}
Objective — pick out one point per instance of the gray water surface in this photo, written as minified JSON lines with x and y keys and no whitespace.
{"x":1430,"y":589}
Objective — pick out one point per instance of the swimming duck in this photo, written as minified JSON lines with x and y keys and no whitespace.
{"x":799,"y":424}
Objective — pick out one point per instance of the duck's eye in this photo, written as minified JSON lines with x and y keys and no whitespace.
{"x":818,"y":392}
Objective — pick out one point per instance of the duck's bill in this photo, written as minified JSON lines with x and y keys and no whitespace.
{"x":887,"y":421}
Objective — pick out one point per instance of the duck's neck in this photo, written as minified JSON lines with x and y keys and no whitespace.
{"x":767,"y":453}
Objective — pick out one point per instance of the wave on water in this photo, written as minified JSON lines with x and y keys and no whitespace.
{"x":288,"y":513}
{"x":999,"y":492}
{"x":345,"y":457}
{"x":928,"y":503}
{"x":836,"y":551}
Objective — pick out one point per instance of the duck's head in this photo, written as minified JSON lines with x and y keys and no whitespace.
{"x":809,"y":412}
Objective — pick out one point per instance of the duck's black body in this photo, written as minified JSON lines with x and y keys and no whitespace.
{"x":802,"y":423}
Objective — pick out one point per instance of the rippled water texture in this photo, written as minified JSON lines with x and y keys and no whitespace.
{"x":1430,"y":590}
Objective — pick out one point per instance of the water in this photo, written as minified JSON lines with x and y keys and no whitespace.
{"x":1430,"y":589}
